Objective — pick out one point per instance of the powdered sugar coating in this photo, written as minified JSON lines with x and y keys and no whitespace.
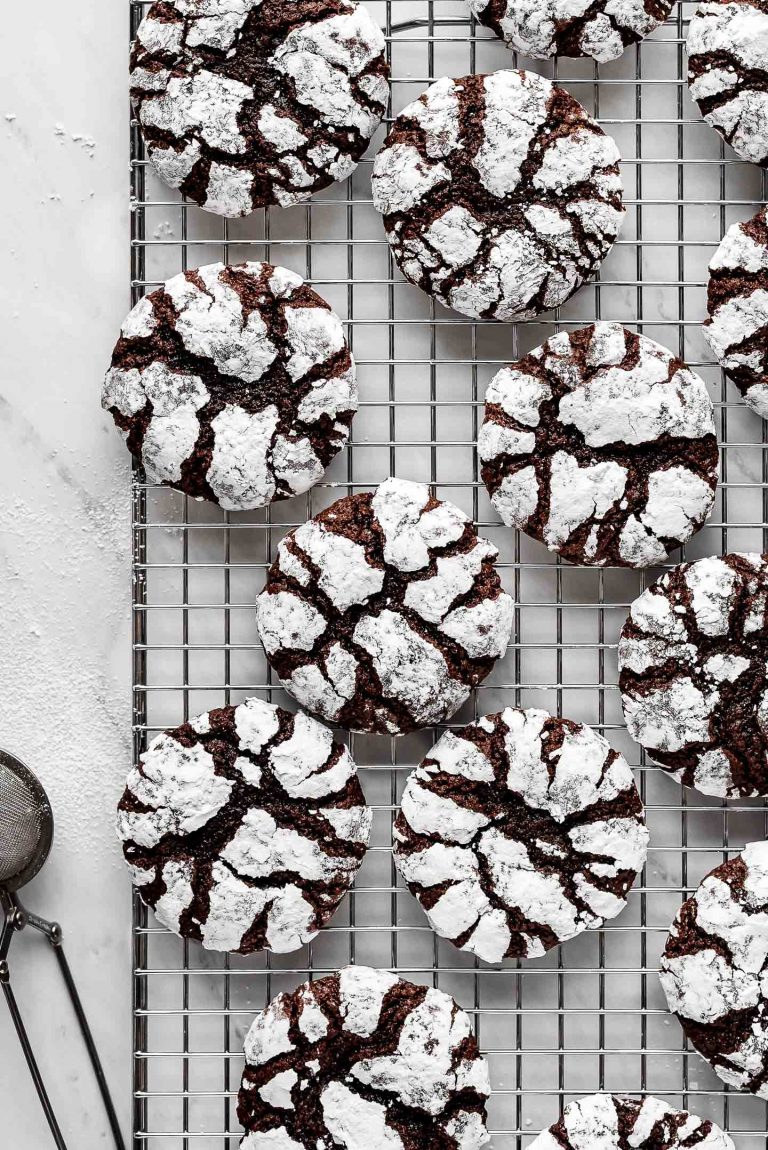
{"x":693,"y":677}
{"x":233,"y":383}
{"x":248,"y":103}
{"x":382,"y":612}
{"x":244,"y":828}
{"x":363,"y":1059}
{"x":737,"y":302}
{"x":601,"y":29}
{"x":714,"y":969}
{"x":728,"y":73}
{"x":500,"y":195}
{"x":601,"y":444}
{"x":610,"y":1122}
{"x":519,"y":832}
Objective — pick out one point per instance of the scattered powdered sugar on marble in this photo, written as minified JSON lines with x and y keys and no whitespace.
{"x":384,"y":611}
{"x":611,"y":1122}
{"x":488,"y":203}
{"x":242,"y":105}
{"x":714,"y":969}
{"x":728,"y":73}
{"x":692,"y":674}
{"x":367,"y":1060}
{"x":268,"y":395}
{"x":601,"y":30}
{"x":244,"y":827}
{"x":601,"y":444}
{"x":737,"y":302}
{"x":464,"y":847}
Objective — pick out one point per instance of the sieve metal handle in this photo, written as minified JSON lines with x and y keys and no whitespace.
{"x":34,"y":1069}
{"x":9,"y":927}
{"x":16,"y":919}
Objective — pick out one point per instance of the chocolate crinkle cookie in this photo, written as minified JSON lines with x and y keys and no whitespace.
{"x":608,"y":1122}
{"x":737,"y":302}
{"x":693,"y":674}
{"x":500,"y":195}
{"x":381,"y":613}
{"x":714,"y":969}
{"x":365,"y":1060}
{"x":244,"y":103}
{"x":244,"y":828}
{"x":601,"y":29}
{"x":728,"y":72}
{"x":234,"y":384}
{"x":519,"y":832}
{"x":601,"y":444}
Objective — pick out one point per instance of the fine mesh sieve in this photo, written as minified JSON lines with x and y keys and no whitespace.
{"x":26,"y":834}
{"x":26,"y":823}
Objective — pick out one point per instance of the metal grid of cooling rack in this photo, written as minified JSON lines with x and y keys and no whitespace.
{"x":590,"y":1015}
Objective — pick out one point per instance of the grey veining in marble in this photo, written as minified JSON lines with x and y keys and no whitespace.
{"x":64,"y":537}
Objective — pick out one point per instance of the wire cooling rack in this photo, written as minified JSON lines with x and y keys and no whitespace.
{"x":589,"y":1015}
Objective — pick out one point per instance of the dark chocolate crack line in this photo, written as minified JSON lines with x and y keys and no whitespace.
{"x":244,"y":828}
{"x":609,"y":1122}
{"x":234,"y":384}
{"x":714,"y":969}
{"x":601,"y":444}
{"x":363,"y":1060}
{"x":520,"y":832}
{"x":254,"y":102}
{"x":693,"y":674}
{"x":500,"y":195}
{"x":381,"y":613}
{"x":600,"y":29}
{"x":737,"y":302}
{"x":728,"y":72}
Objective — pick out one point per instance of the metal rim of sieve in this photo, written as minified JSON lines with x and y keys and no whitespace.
{"x":38,"y":851}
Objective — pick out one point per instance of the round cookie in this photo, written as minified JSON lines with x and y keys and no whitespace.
{"x":385,"y":610}
{"x":737,"y":302}
{"x":234,"y":384}
{"x":255,"y":102}
{"x":244,"y":828}
{"x":714,"y":969}
{"x":601,"y":29}
{"x":519,"y":832}
{"x":728,"y":72}
{"x":601,"y":444}
{"x":613,"y":1123}
{"x":500,"y":195}
{"x":693,"y":675}
{"x":367,"y":1061}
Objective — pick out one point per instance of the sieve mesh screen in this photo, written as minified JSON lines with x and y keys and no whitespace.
{"x":25,"y":825}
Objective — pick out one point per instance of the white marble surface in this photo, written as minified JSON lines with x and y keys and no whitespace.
{"x":64,"y":536}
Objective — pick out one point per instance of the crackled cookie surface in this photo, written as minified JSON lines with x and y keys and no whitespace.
{"x":381,"y":613}
{"x":601,"y":444}
{"x":500,"y":195}
{"x":234,"y":384}
{"x":737,"y":302}
{"x":601,"y":29}
{"x":728,"y":72}
{"x":715,"y":965}
{"x":613,"y":1123}
{"x":693,"y":674}
{"x":244,"y":828}
{"x":519,"y":832}
{"x":244,"y":103}
{"x":363,"y":1060}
